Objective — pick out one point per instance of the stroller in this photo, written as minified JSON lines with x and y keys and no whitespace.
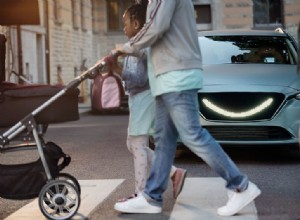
{"x":58,"y":193}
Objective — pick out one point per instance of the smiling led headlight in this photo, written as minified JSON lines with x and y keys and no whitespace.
{"x":255,"y":110}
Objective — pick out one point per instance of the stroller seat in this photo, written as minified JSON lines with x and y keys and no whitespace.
{"x":17,"y":101}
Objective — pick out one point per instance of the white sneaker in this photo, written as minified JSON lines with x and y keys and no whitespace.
{"x":237,"y":201}
{"x":230,"y":193}
{"x":137,"y":204}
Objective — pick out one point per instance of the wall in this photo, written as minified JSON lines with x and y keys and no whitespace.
{"x":73,"y":46}
{"x":292,"y":16}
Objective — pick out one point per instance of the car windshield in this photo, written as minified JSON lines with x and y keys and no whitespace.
{"x":247,"y":49}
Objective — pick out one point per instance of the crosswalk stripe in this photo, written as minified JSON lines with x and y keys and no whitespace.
{"x":93,"y":192}
{"x":200,"y":199}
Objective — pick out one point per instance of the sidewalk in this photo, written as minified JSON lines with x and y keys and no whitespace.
{"x":84,"y":106}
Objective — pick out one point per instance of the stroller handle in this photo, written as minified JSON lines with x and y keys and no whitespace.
{"x":22,"y":125}
{"x":93,"y":71}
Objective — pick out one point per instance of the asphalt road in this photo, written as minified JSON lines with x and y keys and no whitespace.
{"x":96,"y":144}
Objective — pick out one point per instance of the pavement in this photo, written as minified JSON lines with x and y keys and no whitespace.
{"x":93,"y":192}
{"x":84,"y":106}
{"x":199,"y":199}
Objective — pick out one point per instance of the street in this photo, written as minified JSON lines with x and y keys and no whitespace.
{"x":242,"y":57}
{"x":97,"y":146}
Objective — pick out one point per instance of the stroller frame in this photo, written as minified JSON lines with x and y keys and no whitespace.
{"x":53,"y":198}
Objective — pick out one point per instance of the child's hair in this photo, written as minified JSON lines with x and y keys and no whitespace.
{"x":142,"y":2}
{"x":138,"y":12}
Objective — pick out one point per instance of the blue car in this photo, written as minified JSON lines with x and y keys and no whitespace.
{"x":251,"y":92}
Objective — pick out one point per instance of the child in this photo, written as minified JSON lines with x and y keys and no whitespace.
{"x":141,"y":106}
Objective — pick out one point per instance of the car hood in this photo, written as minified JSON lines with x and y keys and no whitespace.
{"x":251,"y":78}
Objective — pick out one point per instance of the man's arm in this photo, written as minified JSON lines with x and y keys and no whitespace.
{"x":159,"y":17}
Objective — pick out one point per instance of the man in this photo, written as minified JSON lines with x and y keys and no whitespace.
{"x":175,"y":74}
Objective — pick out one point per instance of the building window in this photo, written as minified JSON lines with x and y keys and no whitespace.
{"x":203,"y":17}
{"x":84,"y":15}
{"x":57,"y":11}
{"x":99,"y":16}
{"x":96,"y":16}
{"x":75,"y":14}
{"x":203,"y":14}
{"x":267,"y":13}
{"x":115,"y":10}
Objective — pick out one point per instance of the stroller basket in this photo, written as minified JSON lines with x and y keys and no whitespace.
{"x":25,"y":181}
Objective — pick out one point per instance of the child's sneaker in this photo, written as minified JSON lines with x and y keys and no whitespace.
{"x":178,"y":179}
{"x":137,"y":204}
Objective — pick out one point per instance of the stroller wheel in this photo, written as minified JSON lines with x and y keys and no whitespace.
{"x":71,"y":179}
{"x":59,"y":200}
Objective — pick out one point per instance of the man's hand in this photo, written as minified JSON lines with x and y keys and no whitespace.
{"x":117,"y":53}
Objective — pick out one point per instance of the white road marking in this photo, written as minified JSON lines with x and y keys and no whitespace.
{"x":93,"y":192}
{"x":201,"y":197}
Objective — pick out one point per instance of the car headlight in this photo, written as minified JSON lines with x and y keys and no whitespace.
{"x":250,"y":112}
{"x":297,"y":96}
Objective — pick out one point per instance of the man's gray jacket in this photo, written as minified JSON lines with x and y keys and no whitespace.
{"x":170,"y":31}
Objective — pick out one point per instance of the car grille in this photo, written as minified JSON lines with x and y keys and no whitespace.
{"x":246,"y":133}
{"x":239,"y":106}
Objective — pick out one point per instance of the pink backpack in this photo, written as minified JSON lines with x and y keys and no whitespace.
{"x":107,"y":92}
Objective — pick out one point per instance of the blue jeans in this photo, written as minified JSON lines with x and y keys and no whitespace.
{"x":177,"y":113}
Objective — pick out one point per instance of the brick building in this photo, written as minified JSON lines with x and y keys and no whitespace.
{"x":74,"y":34}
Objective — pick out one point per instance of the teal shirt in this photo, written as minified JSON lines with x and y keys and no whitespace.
{"x":174,"y":81}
